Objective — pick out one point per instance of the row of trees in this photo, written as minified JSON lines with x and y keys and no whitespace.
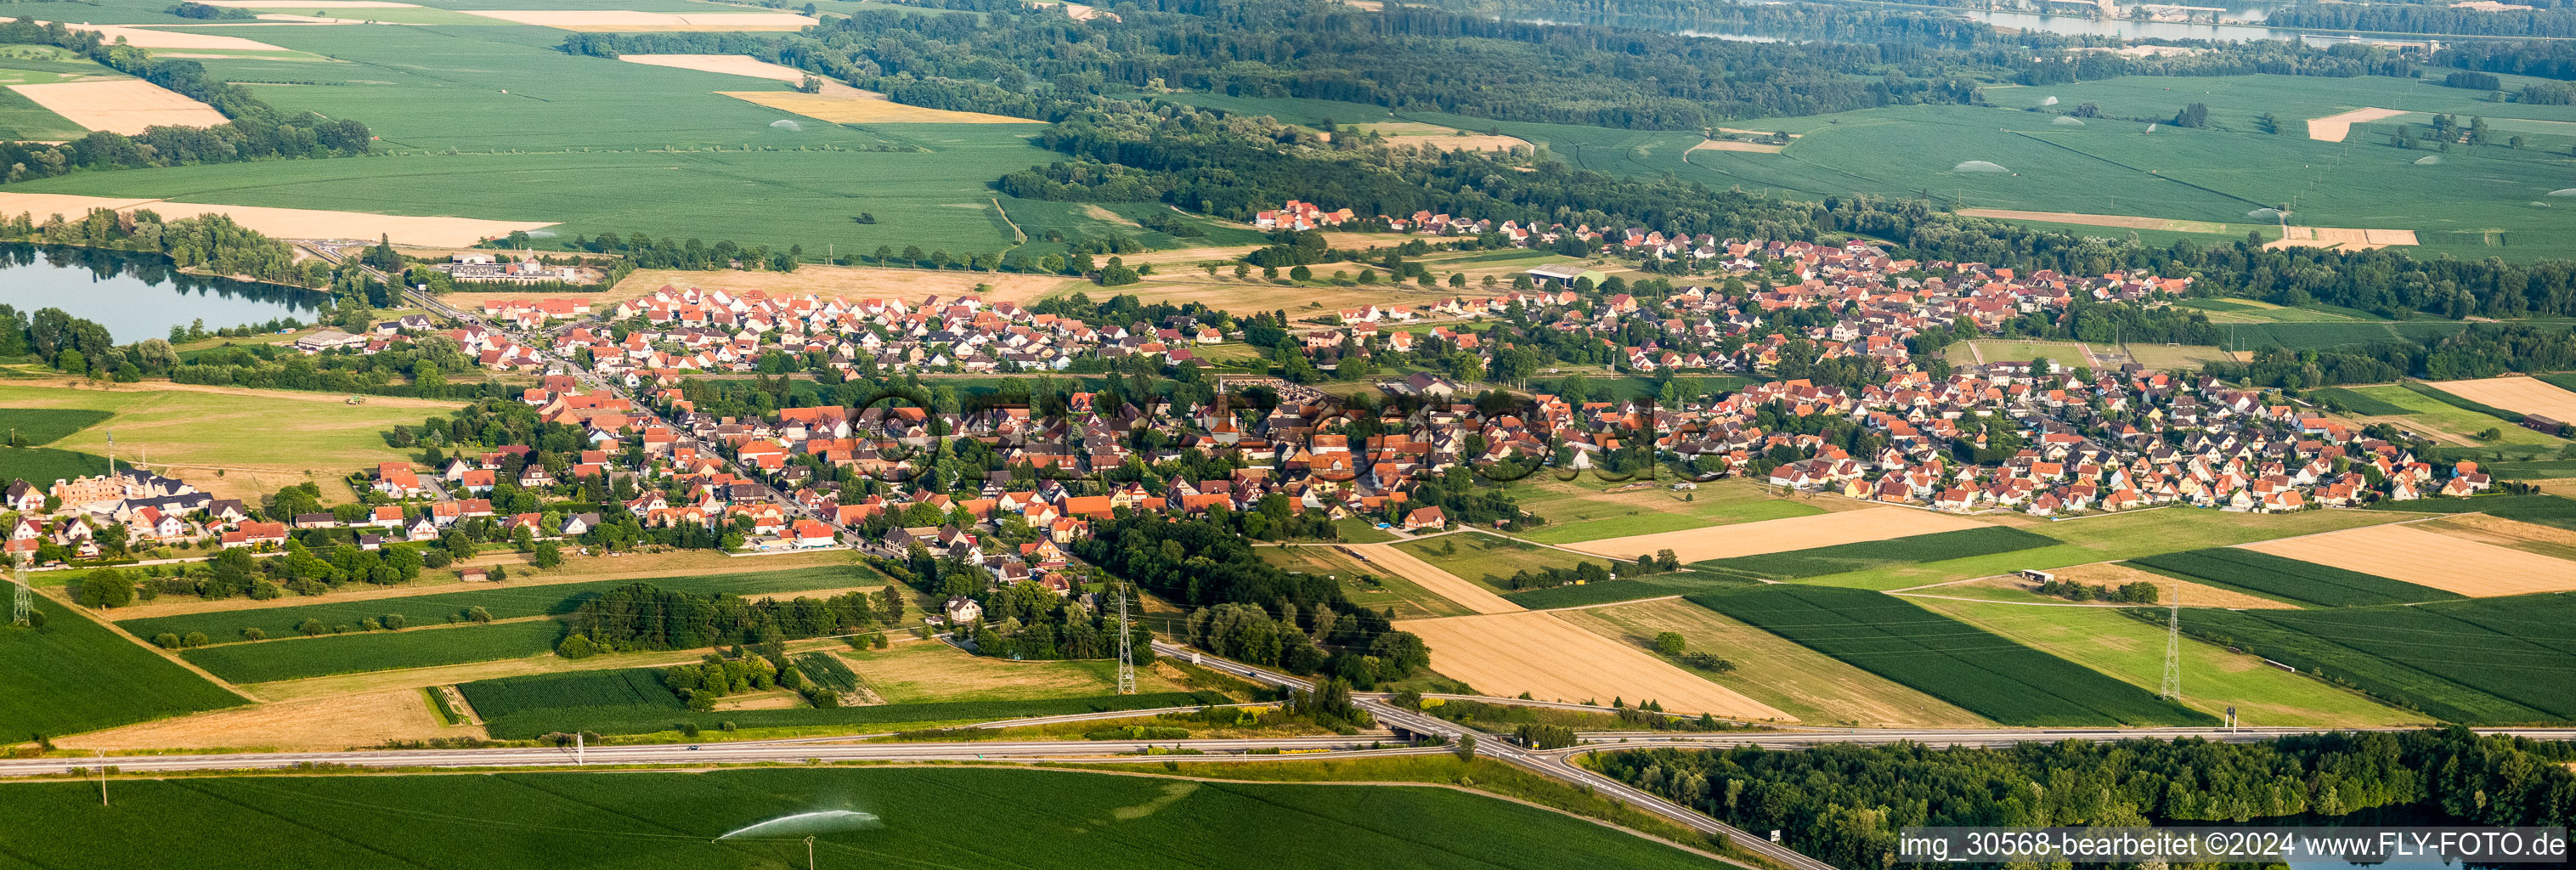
{"x":642,"y":616}
{"x":256,"y":131}
{"x":1844,"y":804}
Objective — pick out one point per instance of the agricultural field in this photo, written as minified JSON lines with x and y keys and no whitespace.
{"x":1033,"y":818}
{"x":2427,"y":558}
{"x":1490,"y":559}
{"x":1945,"y":658}
{"x":1402,"y":563}
{"x":2308,"y":583}
{"x":349,"y":721}
{"x":1583,"y":510}
{"x":2521,"y":395}
{"x":37,"y":427}
{"x":1864,"y":555}
{"x":1554,"y":660}
{"x":73,"y":675}
{"x":2131,"y":649}
{"x":2487,"y":661}
{"x":1782,"y":535}
{"x":501,"y":601}
{"x":298,"y":657}
{"x":924,"y":672}
{"x":1683,"y":582}
{"x":1793,"y":679}
{"x":261,"y":440}
{"x":491,"y":121}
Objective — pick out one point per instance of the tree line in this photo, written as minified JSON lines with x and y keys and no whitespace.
{"x":1844,"y":803}
{"x":256,"y":131}
{"x":642,"y":616}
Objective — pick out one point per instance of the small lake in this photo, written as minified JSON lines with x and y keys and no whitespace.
{"x":139,"y":296}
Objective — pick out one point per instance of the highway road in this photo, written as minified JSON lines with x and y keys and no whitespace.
{"x":705,"y":753}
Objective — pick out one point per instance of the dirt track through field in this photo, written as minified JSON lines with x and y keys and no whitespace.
{"x":2518,"y":394}
{"x":2403,"y":552}
{"x":127,"y":106}
{"x":1780,"y":536}
{"x":1466,"y":593}
{"x":2332,"y":128}
{"x":284,"y":223}
{"x":1553,"y":660}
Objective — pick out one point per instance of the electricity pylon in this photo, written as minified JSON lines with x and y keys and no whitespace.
{"x":26,"y":596}
{"x":1126,"y":647}
{"x":2173,"y":647}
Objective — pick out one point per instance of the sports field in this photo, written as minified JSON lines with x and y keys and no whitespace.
{"x":2454,"y":564}
{"x":1775,"y":536}
{"x":1554,"y":660}
{"x":1028,"y":818}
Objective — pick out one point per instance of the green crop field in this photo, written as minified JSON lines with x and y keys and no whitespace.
{"x":1864,"y":555}
{"x":74,"y":675}
{"x":624,"y":687}
{"x":1683,"y":582}
{"x":2112,"y":642}
{"x":22,"y":119}
{"x":2357,"y":402}
{"x":2289,"y":579}
{"x":926,"y":817}
{"x":2450,"y":419}
{"x":492,"y":121}
{"x":1489,"y":559}
{"x":827,"y":670}
{"x":47,"y":464}
{"x":37,"y":427}
{"x":633,"y":702}
{"x":2487,"y":661}
{"x":502,"y":602}
{"x":1945,"y":658}
{"x":297,"y":658}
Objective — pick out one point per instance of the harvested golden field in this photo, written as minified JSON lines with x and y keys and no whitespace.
{"x":1815,"y":687}
{"x":2428,"y":558}
{"x":743,"y":65}
{"x":2332,"y":128}
{"x":1466,"y":593}
{"x":1242,"y":297}
{"x":620,"y":21}
{"x":850,"y":282}
{"x":145,"y":37}
{"x":285,"y":223}
{"x":2116,"y":574}
{"x":1782,"y":535}
{"x":864,"y":107}
{"x":1443,"y":138}
{"x":320,"y":724}
{"x":1553,"y":660}
{"x":2098,"y":220}
{"x":125,"y":106}
{"x":1733,"y":145}
{"x":2510,"y":534}
{"x":2519,"y":394}
{"x":2345,"y":239}
{"x":935,"y":671}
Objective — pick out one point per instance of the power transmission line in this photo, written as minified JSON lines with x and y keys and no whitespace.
{"x":2173,"y":647}
{"x":1126,"y":646}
